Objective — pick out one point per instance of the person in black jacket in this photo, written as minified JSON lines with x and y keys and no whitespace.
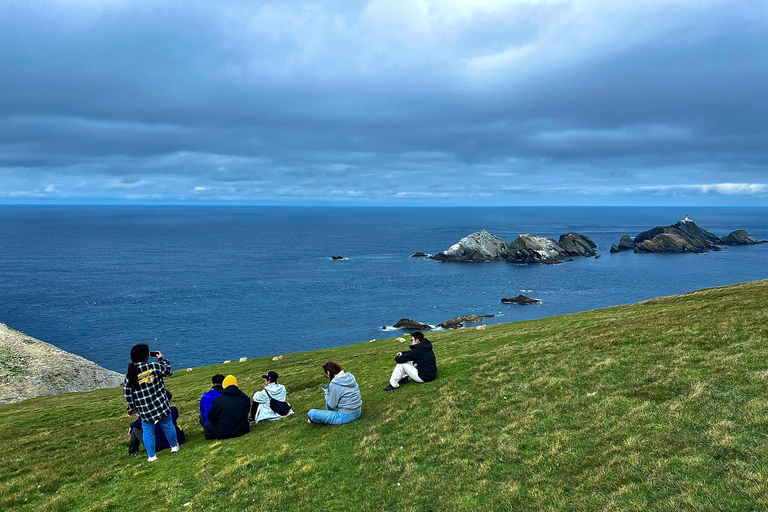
{"x":228,"y":416}
{"x":417,"y":364}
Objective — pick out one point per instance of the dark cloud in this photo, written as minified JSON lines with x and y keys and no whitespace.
{"x":385,"y":101}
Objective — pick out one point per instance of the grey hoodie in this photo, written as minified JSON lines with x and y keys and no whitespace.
{"x":344,"y":394}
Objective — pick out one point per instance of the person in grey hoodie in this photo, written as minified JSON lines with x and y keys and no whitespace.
{"x":342,"y":398}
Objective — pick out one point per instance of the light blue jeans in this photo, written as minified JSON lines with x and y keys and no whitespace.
{"x":331,"y":417}
{"x":149,"y":434}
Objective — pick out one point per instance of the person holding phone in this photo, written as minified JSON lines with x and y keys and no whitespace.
{"x":145,"y":393}
{"x":343,"y":403}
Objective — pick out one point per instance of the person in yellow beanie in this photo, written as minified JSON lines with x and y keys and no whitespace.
{"x":228,"y":416}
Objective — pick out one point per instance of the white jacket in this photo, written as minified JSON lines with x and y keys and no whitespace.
{"x":276,"y":391}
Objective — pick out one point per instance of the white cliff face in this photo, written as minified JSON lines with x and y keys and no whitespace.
{"x":480,"y":246}
{"x":30,"y":368}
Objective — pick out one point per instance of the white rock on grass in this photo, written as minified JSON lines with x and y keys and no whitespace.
{"x":189,"y":369}
{"x":481,"y":327}
{"x":371,"y":341}
{"x":227,"y":361}
{"x":277,"y":358}
{"x":243,"y":359}
{"x":401,"y":340}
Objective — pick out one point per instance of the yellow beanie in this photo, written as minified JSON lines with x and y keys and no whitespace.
{"x":229,"y":380}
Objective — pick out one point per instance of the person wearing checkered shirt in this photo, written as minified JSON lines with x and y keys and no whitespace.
{"x":144,"y":390}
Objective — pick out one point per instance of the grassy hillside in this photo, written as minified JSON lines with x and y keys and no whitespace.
{"x":654,"y":406}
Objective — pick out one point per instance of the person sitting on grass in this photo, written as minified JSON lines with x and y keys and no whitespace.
{"x":144,"y":391}
{"x":161,"y":442}
{"x":417,"y":364}
{"x":261,"y":410}
{"x":206,"y":401}
{"x":342,"y":398}
{"x":228,"y":416}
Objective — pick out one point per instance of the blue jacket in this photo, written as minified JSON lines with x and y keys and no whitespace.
{"x":160,"y":440}
{"x":206,"y":401}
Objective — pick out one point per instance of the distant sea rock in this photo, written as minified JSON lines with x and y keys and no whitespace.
{"x":459,"y":321}
{"x":626,"y":243}
{"x":683,"y":236}
{"x":739,"y":237}
{"x":674,"y":243}
{"x":419,"y":255}
{"x":520,"y":299}
{"x":30,"y":368}
{"x":479,"y":246}
{"x":411,"y":325}
{"x":575,"y":244}
{"x":535,"y":249}
{"x":338,"y":258}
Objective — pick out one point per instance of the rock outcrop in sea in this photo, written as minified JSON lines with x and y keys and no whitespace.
{"x":739,"y":237}
{"x":627,"y":243}
{"x":411,"y":325}
{"x":480,"y":246}
{"x":535,"y":249}
{"x":575,"y":244}
{"x":30,"y":367}
{"x":459,"y":321}
{"x":527,"y":248}
{"x":520,"y":299}
{"x":683,"y":236}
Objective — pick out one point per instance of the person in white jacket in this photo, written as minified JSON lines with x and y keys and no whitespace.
{"x":260,"y":410}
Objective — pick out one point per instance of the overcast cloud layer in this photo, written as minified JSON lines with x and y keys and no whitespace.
{"x":384,"y":102}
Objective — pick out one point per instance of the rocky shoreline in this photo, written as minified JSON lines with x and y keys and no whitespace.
{"x":30,"y":368}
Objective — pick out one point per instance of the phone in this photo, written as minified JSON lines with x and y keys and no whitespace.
{"x":324,"y":386}
{"x":153,"y":354}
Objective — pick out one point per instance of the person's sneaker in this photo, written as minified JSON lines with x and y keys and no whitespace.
{"x":390,"y":387}
{"x":130,"y":453}
{"x":175,"y":449}
{"x":309,"y":420}
{"x":251,"y":420}
{"x":152,"y":459}
{"x":404,"y":380}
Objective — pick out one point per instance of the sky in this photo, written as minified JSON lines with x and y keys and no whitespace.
{"x":384,"y":102}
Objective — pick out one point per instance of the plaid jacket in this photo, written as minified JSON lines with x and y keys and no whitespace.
{"x":149,"y":399}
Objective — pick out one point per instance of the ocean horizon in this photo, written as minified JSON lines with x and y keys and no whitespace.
{"x":209,"y":283}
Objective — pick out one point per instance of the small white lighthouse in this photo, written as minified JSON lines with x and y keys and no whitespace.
{"x":686,"y":219}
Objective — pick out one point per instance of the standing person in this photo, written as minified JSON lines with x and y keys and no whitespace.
{"x":261,"y":410}
{"x":144,"y":390}
{"x":206,"y":401}
{"x":342,"y":398}
{"x":417,"y":364}
{"x":228,"y":416}
{"x":137,"y":434}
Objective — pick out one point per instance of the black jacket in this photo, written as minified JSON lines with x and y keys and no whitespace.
{"x":424,"y":358}
{"x":228,"y":416}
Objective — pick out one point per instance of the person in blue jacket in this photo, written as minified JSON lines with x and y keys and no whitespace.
{"x":206,"y":401}
{"x":161,"y":442}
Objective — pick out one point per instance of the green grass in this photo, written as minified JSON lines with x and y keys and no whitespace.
{"x":654,"y":406}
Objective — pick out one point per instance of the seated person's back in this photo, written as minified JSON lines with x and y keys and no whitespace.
{"x":261,"y":410}
{"x":206,"y":401}
{"x":228,"y":416}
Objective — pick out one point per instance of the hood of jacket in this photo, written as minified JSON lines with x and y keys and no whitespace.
{"x":345,"y":379}
{"x":231,"y":391}
{"x":425,"y":344}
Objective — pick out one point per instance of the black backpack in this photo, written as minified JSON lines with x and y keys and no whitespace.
{"x":281,"y":408}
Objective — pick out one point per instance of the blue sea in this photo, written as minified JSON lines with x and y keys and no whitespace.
{"x":206,"y":284}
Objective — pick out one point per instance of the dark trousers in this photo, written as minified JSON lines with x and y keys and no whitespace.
{"x":254,"y":410}
{"x":137,"y":435}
